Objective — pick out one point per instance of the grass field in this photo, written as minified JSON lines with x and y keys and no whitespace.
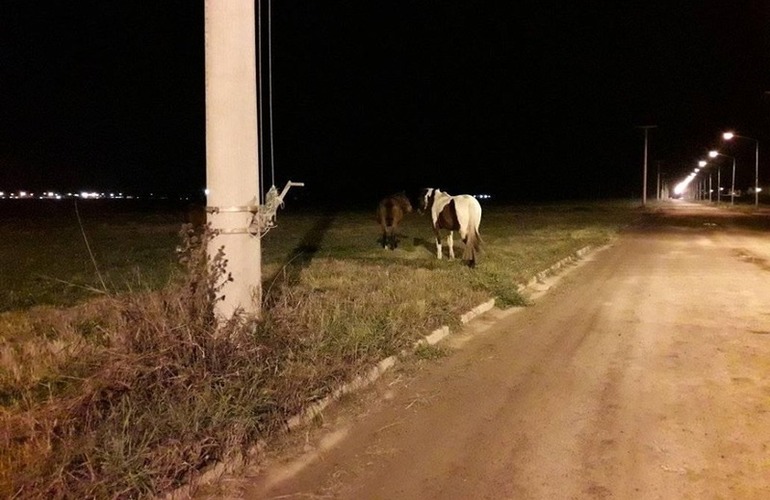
{"x":58,"y":253}
{"x":114,"y":380}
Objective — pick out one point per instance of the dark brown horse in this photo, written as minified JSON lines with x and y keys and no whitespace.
{"x":389,"y":214}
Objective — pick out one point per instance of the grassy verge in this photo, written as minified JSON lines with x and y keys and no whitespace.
{"x":128,"y":394}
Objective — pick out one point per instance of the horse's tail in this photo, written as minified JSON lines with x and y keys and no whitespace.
{"x":385,"y":214}
{"x":472,"y":246}
{"x":390,"y":212}
{"x":473,"y":239}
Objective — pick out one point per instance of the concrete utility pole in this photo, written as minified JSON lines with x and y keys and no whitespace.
{"x":231,"y":149}
{"x":644,"y":180}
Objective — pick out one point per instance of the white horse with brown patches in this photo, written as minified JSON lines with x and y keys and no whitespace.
{"x":461,"y":213}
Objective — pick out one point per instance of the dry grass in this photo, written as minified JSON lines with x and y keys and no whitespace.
{"x":128,"y":395}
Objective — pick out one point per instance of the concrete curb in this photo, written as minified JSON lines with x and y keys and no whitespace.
{"x":432,"y":338}
{"x":542,"y":275}
{"x":218,"y":470}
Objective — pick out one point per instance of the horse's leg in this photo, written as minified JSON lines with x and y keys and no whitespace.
{"x":438,"y":244}
{"x":468,"y":253}
{"x":464,"y":237}
{"x":387,"y":236}
{"x":394,"y":229}
{"x":450,"y":243}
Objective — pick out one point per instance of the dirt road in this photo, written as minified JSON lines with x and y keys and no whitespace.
{"x":642,"y":373}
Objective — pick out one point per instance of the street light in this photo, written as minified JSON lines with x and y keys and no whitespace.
{"x":681,"y":188}
{"x":729,"y":135}
{"x":714,"y":154}
{"x":703,"y":164}
{"x":698,"y":185}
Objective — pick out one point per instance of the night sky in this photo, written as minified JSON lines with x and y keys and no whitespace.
{"x":526,"y":100}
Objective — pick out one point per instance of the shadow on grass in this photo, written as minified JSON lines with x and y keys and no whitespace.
{"x":302,"y":255}
{"x":430,"y":246}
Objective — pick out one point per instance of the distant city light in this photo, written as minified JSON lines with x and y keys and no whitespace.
{"x":86,"y":195}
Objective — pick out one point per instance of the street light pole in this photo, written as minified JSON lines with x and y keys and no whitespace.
{"x":729,"y":135}
{"x":714,"y":154}
{"x":732,"y":190}
{"x":719,"y":184}
{"x":702,"y":181}
{"x":756,"y":177}
{"x":644,"y":176}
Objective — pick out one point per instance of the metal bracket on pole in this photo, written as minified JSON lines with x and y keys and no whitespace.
{"x":232,"y":210}
{"x":264,"y":218}
{"x":221,"y":210}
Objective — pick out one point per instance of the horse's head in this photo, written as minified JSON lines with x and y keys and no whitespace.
{"x":406,"y":205}
{"x":425,"y":202}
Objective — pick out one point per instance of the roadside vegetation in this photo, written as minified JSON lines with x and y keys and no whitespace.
{"x":116,"y":382}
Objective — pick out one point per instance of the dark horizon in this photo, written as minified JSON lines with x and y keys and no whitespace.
{"x":533,"y":101}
